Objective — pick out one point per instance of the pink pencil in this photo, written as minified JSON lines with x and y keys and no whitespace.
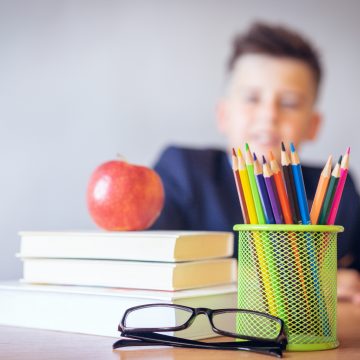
{"x":339,"y":189}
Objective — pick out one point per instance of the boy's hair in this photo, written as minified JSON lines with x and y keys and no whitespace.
{"x":276,"y":40}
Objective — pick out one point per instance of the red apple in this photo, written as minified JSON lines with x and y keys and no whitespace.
{"x":123,"y":196}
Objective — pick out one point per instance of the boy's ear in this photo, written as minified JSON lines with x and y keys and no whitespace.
{"x":314,"y":126}
{"x":222,"y":115}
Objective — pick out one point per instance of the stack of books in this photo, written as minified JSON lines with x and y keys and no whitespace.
{"x":84,"y":281}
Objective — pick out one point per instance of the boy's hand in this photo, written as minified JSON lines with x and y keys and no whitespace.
{"x":348,"y":285}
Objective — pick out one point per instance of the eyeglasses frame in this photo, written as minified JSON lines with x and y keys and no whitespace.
{"x":281,"y":338}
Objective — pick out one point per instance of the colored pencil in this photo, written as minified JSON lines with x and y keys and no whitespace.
{"x":330,"y":192}
{"x":295,"y":218}
{"x":271,"y":189}
{"x":290,"y":185}
{"x":249,"y":201}
{"x":299,"y":185}
{"x":321,"y":191}
{"x":339,"y":189}
{"x":269,"y":217}
{"x":274,"y":253}
{"x":310,"y":242}
{"x":280,"y":187}
{"x":254,"y":189}
{"x":239,"y":188}
{"x":261,"y":250}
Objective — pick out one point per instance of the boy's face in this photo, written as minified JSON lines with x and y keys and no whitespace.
{"x":269,"y":100}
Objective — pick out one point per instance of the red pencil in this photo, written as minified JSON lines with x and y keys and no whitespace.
{"x":280,"y":187}
{"x":340,"y":187}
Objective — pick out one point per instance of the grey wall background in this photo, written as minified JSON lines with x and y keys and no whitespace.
{"x":83,"y":80}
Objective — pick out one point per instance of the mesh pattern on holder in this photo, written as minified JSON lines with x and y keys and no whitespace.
{"x":291,"y":274}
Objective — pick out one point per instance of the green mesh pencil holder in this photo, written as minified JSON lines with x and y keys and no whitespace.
{"x":290,"y":271}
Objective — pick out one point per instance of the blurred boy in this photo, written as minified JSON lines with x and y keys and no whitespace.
{"x":274,"y":80}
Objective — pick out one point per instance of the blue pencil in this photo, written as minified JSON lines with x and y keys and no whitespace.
{"x":269,"y":216}
{"x":299,"y":185}
{"x":310,"y":240}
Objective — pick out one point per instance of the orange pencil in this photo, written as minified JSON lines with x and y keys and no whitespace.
{"x":321,"y":191}
{"x":280,"y":187}
{"x":239,"y":187}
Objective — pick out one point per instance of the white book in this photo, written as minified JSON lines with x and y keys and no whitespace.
{"x":98,"y":311}
{"x":130,"y":274}
{"x":128,"y":245}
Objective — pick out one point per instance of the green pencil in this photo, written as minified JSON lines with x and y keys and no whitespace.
{"x":249,"y":160}
{"x":330,"y":192}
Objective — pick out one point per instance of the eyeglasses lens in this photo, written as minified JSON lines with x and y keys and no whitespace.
{"x":157,"y":317}
{"x":248,"y":324}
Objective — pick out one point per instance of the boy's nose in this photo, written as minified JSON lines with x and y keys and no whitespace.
{"x":268,"y":114}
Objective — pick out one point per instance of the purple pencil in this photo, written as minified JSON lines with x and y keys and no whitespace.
{"x":273,"y":195}
{"x":269,"y":217}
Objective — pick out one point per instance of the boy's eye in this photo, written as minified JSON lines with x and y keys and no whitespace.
{"x":251,"y":98}
{"x":290,"y":103}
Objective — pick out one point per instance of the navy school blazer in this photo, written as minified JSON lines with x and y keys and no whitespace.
{"x":200,"y":194}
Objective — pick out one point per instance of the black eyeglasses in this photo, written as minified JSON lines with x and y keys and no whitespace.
{"x":255,"y":331}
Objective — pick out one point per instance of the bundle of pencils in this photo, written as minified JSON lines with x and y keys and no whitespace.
{"x":270,"y":194}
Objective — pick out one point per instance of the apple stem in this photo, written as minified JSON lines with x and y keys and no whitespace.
{"x":120,"y":157}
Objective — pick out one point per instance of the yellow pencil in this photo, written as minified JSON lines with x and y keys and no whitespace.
{"x":244,"y":177}
{"x":264,"y":274}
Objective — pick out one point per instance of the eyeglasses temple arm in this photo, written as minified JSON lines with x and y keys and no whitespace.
{"x":228,"y":344}
{"x":156,"y":336}
{"x":160,"y":339}
{"x":132,"y":342}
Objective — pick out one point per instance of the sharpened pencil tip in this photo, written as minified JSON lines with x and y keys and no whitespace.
{"x":233,"y":152}
{"x":255,"y":158}
{"x":340,"y":158}
{"x":348,"y":150}
{"x":292,"y":147}
{"x":240,"y":153}
{"x":264,"y":160}
{"x":271,"y":156}
{"x":283,"y":146}
{"x":246,"y":146}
